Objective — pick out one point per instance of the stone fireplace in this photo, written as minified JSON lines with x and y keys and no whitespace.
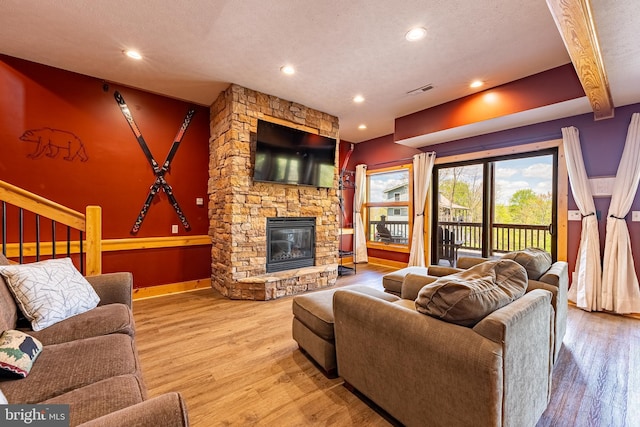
{"x":240,"y":208}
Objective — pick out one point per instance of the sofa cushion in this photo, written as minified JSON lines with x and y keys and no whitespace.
{"x":412,"y":284}
{"x":18,"y":351}
{"x":68,"y":366}
{"x":534,"y":260}
{"x":467,"y":297}
{"x":101,"y":398}
{"x":49,"y":291}
{"x":102,"y":320}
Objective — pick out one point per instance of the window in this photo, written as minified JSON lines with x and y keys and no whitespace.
{"x":388,"y":208}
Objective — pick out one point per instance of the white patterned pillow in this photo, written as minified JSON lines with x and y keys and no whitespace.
{"x":49,"y":291}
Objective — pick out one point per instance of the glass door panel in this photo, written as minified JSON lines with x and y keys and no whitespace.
{"x":459,"y":226}
{"x":523,"y":205}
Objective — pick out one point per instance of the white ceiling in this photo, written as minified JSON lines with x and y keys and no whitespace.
{"x":193,"y":49}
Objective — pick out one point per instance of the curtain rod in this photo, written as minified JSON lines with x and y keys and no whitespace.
{"x":430,"y":153}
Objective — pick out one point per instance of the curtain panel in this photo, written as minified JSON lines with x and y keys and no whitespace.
{"x":586,"y":288}
{"x":359,"y":237}
{"x":422,"y":169}
{"x":620,"y":290}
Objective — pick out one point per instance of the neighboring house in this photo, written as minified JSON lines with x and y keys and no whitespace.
{"x":449,"y":211}
{"x":398,"y":193}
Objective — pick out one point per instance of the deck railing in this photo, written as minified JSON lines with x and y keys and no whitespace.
{"x":505,"y":237}
{"x":399,"y":231}
{"x":19,"y":207}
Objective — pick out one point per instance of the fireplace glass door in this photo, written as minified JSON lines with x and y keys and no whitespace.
{"x":290,"y":243}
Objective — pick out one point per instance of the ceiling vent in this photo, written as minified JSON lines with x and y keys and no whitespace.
{"x":420,"y":89}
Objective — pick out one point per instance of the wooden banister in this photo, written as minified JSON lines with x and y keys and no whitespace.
{"x":89,"y":223}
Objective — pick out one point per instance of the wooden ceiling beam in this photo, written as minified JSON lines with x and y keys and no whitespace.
{"x":577,"y":28}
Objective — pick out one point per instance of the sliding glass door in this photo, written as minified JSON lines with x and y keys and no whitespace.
{"x":489,"y":207}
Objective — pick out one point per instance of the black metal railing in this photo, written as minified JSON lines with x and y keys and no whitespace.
{"x":36,"y":234}
{"x":505,"y":237}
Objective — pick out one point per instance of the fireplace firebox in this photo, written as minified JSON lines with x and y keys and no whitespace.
{"x":290,"y":243}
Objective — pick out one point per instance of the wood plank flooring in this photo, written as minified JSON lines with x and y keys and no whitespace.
{"x":236,"y":364}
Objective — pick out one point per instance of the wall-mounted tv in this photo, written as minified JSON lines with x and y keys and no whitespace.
{"x":290,"y":156}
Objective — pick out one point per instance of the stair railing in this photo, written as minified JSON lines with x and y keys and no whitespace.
{"x":89,"y":226}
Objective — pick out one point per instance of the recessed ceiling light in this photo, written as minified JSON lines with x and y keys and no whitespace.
{"x":133,"y":54}
{"x":414,"y":34}
{"x":358,"y":98}
{"x":476,"y":83}
{"x":362,"y":127}
{"x":287,"y":69}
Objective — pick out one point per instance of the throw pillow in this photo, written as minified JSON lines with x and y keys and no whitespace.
{"x":534,"y":260}
{"x":18,"y":351}
{"x":467,"y":297}
{"x":49,"y":291}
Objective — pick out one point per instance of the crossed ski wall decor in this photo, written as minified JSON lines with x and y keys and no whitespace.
{"x":159,"y":171}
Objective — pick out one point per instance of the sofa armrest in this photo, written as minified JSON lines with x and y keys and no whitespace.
{"x":167,"y":410}
{"x":113,"y":287}
{"x":556,"y":281}
{"x":439,"y":271}
{"x":525,"y":328}
{"x":412,"y":284}
{"x":465,"y":262}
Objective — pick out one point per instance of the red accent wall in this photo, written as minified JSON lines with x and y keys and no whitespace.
{"x":602,"y":145}
{"x":114,"y":174}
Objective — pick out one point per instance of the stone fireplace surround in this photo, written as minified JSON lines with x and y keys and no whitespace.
{"x":238,"y":207}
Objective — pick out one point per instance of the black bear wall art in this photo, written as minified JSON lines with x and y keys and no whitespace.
{"x":54,"y":142}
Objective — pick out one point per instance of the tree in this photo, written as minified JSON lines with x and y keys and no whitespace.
{"x":528,"y":207}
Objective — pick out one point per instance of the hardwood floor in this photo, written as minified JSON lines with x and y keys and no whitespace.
{"x":236,"y":364}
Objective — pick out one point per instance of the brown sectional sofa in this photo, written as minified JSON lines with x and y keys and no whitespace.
{"x":90,"y":362}
{"x":423,"y":370}
{"x":555,"y":280}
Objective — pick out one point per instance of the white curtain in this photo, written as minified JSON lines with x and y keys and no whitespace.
{"x":360,"y":240}
{"x":586,"y":288}
{"x":422,"y":168}
{"x":620,"y":291}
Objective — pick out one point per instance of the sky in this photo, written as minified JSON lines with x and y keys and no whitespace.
{"x":535,"y":173}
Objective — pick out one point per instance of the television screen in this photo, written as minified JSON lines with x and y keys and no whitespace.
{"x":291,"y":156}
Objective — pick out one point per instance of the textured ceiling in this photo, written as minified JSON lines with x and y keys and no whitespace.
{"x":193,"y":49}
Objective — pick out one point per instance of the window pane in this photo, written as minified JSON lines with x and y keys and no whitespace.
{"x":460,"y":202}
{"x":389,"y":186}
{"x":387,"y":227}
{"x":523,"y":204}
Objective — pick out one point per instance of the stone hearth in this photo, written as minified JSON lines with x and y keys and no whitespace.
{"x":238,"y":207}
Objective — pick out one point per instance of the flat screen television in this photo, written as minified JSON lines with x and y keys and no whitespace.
{"x":290,"y":156}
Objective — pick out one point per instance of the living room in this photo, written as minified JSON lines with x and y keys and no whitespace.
{"x":106,"y":167}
